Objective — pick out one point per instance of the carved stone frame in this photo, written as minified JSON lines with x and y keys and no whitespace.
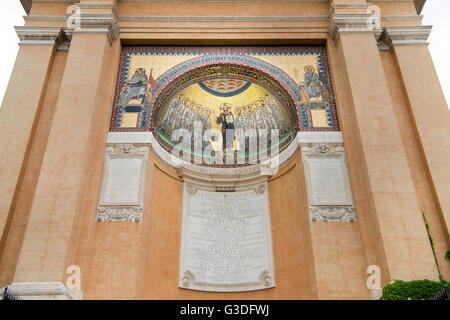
{"x":343,"y":210}
{"x":187,"y":279}
{"x":132,"y":211}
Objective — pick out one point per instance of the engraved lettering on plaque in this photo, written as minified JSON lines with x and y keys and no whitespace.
{"x":327,"y":178}
{"x":121,"y":192}
{"x":226,"y":242}
{"x":122,"y":181}
{"x":327,"y":181}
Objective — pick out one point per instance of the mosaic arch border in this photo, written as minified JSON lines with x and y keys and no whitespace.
{"x":200,"y":56}
{"x":239,"y":71}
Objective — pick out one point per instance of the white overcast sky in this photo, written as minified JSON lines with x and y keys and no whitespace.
{"x":435,"y":13}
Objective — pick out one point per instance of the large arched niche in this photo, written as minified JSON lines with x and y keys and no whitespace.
{"x":198,"y":88}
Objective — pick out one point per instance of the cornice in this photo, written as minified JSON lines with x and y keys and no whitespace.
{"x":418,"y":3}
{"x":350,"y":23}
{"x":89,"y":21}
{"x":223,"y":18}
{"x":40,"y":35}
{"x":404,"y":36}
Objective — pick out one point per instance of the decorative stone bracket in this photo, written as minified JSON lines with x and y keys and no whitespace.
{"x":42,"y":291}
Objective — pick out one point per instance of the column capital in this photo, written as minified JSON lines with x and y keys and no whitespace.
{"x":40,"y":35}
{"x":403,"y":35}
{"x":351,"y":23}
{"x":352,"y":18}
{"x":96,"y":18}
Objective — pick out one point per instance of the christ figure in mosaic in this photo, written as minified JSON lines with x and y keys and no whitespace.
{"x":226,"y":119}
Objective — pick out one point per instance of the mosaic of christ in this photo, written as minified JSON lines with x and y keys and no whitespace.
{"x":224,"y":104}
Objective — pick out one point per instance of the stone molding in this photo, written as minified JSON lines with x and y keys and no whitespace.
{"x":361,"y":21}
{"x":105,"y":214}
{"x":303,"y":138}
{"x":403,"y":35}
{"x":335,"y":6}
{"x":43,"y":291}
{"x":224,"y":19}
{"x":90,"y":21}
{"x":346,"y":214}
{"x":350,"y":23}
{"x":266,"y":168}
{"x":309,"y":137}
{"x":40,"y":35}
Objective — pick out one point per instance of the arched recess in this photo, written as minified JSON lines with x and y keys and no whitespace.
{"x":257,"y":70}
{"x":277,"y":89}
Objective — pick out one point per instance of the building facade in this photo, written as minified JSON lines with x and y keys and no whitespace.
{"x":222,"y":150}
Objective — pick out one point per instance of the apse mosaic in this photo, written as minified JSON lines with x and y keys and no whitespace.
{"x":165,"y":89}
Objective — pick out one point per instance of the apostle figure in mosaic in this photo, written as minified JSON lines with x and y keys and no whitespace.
{"x":197,"y":116}
{"x":226,"y":119}
{"x":277,"y":114}
{"x":137,"y":87}
{"x":251,"y":131}
{"x":244,"y":118}
{"x":251,"y":123}
{"x":268,"y":114}
{"x":185,"y":114}
{"x":206,"y":125}
{"x":206,"y":120}
{"x":259,"y":117}
{"x":240,"y":119}
{"x":312,"y":82}
{"x":168,"y":116}
{"x":197,"y":138}
{"x":178,"y":115}
{"x":192,"y":116}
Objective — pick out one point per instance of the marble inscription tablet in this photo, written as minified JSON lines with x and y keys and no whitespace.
{"x":122,"y":180}
{"x":327,"y":181}
{"x":327,"y":178}
{"x":226,"y":241}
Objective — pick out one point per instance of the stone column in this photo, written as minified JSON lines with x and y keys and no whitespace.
{"x":20,"y":110}
{"x":79,"y":127}
{"x":427,"y":106}
{"x":390,"y":220}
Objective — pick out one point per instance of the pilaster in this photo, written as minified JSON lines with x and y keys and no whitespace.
{"x":428,"y":109}
{"x":20,"y":111}
{"x":78,"y":131}
{"x":390,"y":219}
